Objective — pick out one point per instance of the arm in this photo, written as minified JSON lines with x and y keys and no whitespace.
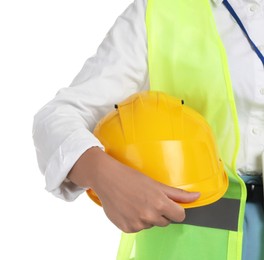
{"x":62,"y":128}
{"x":131,"y":200}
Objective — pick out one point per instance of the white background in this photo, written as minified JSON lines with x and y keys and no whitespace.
{"x":43,"y":45}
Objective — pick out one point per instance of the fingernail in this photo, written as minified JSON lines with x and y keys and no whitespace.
{"x":197,"y":194}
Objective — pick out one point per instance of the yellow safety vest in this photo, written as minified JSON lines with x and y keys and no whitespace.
{"x":187,"y":60}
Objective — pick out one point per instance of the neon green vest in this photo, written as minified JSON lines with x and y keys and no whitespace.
{"x":187,"y":59}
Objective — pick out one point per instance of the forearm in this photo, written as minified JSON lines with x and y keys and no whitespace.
{"x":85,"y":170}
{"x":131,"y":200}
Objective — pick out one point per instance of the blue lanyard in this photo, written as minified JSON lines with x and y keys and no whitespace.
{"x":253,"y":46}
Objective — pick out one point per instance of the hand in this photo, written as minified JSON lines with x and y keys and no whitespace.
{"x":131,"y":200}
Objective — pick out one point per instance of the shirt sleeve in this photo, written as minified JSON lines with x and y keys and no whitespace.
{"x":62,"y":129}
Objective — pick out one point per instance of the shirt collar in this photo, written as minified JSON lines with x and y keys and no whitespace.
{"x":217,"y":2}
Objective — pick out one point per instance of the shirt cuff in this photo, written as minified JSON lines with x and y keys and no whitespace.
{"x":63,"y":160}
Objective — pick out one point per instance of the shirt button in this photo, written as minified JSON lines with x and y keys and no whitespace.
{"x":255,"y":131}
{"x":261,"y":91}
{"x":253,"y":8}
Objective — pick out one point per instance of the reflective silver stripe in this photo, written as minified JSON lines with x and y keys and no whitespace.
{"x":222,"y":214}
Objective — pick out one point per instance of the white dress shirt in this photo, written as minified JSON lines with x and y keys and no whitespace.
{"x":119,"y":69}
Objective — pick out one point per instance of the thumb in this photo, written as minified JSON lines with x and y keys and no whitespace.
{"x":179,"y":195}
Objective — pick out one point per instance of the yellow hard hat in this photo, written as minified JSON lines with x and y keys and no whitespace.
{"x":166,"y":140}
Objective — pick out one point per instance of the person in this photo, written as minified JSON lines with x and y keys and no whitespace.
{"x":192,"y":49}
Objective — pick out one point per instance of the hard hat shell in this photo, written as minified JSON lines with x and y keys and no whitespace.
{"x":166,"y":140}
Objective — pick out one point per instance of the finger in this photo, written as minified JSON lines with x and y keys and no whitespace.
{"x":155,"y":220}
{"x":180,"y":195}
{"x":138,"y":226}
{"x":162,"y":222}
{"x":173,"y":211}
